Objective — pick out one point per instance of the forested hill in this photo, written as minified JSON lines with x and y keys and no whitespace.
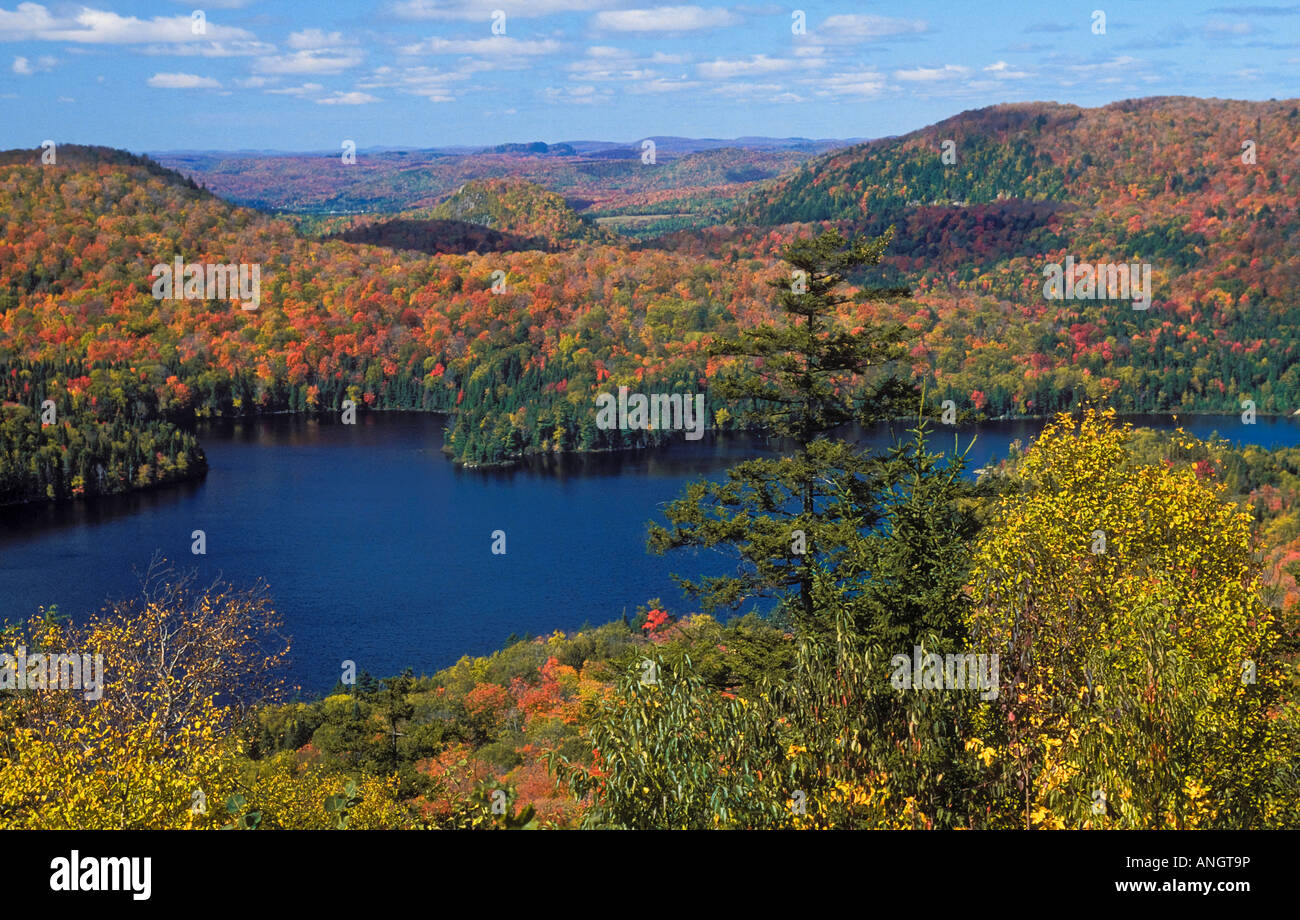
{"x":1171,"y":153}
{"x":1158,"y":181}
{"x":520,"y":208}
{"x":1205,"y":191}
{"x":94,"y":157}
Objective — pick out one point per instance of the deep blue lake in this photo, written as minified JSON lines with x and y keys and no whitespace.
{"x":377,"y":548}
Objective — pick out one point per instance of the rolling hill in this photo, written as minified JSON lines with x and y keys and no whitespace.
{"x":519,"y":208}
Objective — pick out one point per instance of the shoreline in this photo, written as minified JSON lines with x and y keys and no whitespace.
{"x":521,"y":460}
{"x":45,"y":502}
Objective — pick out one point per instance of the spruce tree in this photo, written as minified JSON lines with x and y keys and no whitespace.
{"x":797,"y":381}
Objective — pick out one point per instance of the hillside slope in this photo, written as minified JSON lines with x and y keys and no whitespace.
{"x":1164,"y":182}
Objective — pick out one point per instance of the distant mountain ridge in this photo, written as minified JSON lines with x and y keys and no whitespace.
{"x":608,"y":175}
{"x":673,"y":143}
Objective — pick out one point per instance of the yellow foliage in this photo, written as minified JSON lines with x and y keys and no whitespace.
{"x":1122,"y":602}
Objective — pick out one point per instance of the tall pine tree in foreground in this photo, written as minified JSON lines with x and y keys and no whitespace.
{"x":827,"y":741}
{"x":796,"y":381}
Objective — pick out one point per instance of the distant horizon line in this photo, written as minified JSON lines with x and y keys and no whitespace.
{"x":719,"y":143}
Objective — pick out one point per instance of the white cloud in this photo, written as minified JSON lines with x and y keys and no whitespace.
{"x":756,"y":64}
{"x":182,"y":81}
{"x":315,"y":40}
{"x":33,"y":22}
{"x":304,"y":62}
{"x":664,"y":85}
{"x":577,"y":95}
{"x":495,"y":45}
{"x":218,"y":4}
{"x":483,"y":9}
{"x":212,"y":49}
{"x":590,"y":71}
{"x":1004,"y":71}
{"x":434,"y":85}
{"x":853,"y":83}
{"x":606,"y":64}
{"x":23,"y":67}
{"x":665,"y":19}
{"x":605,"y":52}
{"x":932,"y":74}
{"x":1110,"y":71}
{"x":306,"y":89}
{"x":26,"y":22}
{"x":353,"y":98}
{"x":759,"y":92}
{"x":858,"y":27}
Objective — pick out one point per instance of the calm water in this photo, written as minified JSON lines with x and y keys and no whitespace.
{"x":377,"y":548}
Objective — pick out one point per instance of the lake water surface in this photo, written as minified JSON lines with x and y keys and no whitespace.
{"x":377,"y":548}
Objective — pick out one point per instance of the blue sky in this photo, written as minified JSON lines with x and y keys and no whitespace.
{"x":295,"y":75}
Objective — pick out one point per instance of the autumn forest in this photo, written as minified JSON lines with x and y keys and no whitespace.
{"x":1131,"y":596}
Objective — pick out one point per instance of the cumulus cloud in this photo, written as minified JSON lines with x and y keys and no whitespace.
{"x":353,"y":98}
{"x":218,"y":4}
{"x":483,"y":9}
{"x":182,"y":81}
{"x":431,"y":83}
{"x":304,"y":62}
{"x":932,"y":74}
{"x":865,"y":27}
{"x":605,"y":64}
{"x":25,"y":68}
{"x":1004,"y":71}
{"x":315,"y":40}
{"x":1118,"y":69}
{"x":585,"y":94}
{"x":665,"y":19}
{"x":305,"y":89}
{"x":34,"y":22}
{"x":495,"y":45}
{"x":863,"y":83}
{"x":755,"y":64}
{"x":211,"y":49}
